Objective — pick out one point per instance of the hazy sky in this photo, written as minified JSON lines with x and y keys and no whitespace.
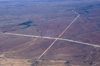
{"x":32,"y":0}
{"x":42,"y":0}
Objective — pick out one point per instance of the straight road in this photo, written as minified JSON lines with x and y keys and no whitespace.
{"x":60,"y":35}
{"x":55,"y":39}
{"x":51,"y":38}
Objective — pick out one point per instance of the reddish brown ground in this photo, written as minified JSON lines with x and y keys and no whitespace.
{"x":72,"y":51}
{"x":86,"y":28}
{"x":52,"y":26}
{"x":22,"y":47}
{"x":50,"y":20}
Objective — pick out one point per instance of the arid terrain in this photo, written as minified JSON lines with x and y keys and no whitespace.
{"x":50,"y":33}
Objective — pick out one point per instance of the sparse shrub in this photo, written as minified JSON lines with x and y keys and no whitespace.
{"x":35,"y":25}
{"x":84,"y":61}
{"x":67,"y":62}
{"x":90,"y":63}
{"x":35,"y":63}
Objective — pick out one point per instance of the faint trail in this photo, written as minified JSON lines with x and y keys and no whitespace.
{"x":59,"y":35}
{"x":95,"y":64}
{"x":10,"y":23}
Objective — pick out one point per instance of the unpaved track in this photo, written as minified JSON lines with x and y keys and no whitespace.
{"x":51,"y":38}
{"x":60,"y":35}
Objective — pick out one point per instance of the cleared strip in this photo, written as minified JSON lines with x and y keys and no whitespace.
{"x":52,"y":38}
{"x":59,"y":35}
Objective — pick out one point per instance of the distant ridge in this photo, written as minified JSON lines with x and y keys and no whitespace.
{"x":43,"y":0}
